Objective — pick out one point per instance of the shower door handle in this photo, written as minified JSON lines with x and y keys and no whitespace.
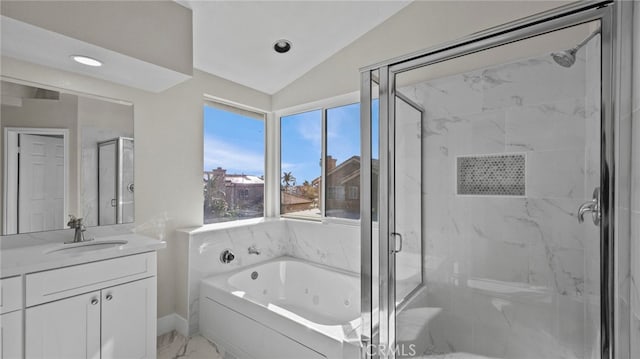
{"x":592,"y":206}
{"x":397,"y":244}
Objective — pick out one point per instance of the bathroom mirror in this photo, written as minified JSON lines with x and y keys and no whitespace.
{"x":64,"y":154}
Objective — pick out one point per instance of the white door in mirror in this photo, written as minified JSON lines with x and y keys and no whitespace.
{"x":41,"y":187}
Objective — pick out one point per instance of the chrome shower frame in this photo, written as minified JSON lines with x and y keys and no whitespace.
{"x":119,"y":146}
{"x":379,"y":325}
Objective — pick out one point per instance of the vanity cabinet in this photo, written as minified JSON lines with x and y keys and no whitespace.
{"x":115,"y":322}
{"x":11,"y":335}
{"x":11,"y":317}
{"x":67,"y":328}
{"x":104,"y":309}
{"x":129,"y":320}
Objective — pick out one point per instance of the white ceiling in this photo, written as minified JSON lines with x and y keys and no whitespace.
{"x":234,"y":39}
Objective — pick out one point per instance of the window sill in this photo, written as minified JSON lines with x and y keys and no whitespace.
{"x":228,"y":225}
{"x":325,"y":220}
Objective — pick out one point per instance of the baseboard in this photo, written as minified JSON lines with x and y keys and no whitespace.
{"x":172,"y":322}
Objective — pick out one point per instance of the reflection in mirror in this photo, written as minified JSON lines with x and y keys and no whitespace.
{"x":50,"y":162}
{"x":115,"y":181}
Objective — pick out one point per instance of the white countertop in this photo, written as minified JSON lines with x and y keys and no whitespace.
{"x":34,"y":258}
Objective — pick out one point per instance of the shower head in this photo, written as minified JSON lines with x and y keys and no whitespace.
{"x":567,"y":58}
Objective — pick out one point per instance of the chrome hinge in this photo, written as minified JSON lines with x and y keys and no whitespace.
{"x":397,"y":244}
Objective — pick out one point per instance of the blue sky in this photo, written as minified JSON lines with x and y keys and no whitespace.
{"x":233,"y":142}
{"x":236,"y":143}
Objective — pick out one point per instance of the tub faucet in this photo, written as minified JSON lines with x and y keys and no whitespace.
{"x":77,"y":224}
{"x":254,"y":250}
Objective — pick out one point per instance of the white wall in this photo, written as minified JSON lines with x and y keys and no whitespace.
{"x":169,"y":145}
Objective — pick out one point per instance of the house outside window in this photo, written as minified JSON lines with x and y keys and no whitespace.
{"x":300,"y":164}
{"x":234,"y":157}
{"x":304,"y":137}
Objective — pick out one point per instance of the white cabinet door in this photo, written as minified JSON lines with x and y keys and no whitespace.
{"x":129,"y":320}
{"x":11,"y":335}
{"x":66,"y":329}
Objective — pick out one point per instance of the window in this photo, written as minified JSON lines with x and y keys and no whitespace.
{"x":233,"y":178}
{"x":300,"y":164}
{"x":302,"y":138}
{"x":343,"y":161}
{"x":354,"y":192}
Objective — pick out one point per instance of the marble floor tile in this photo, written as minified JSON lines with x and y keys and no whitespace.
{"x":175,"y":346}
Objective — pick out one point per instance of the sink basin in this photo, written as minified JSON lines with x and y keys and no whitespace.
{"x":87,"y":246}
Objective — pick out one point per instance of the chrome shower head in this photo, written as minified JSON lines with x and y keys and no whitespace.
{"x":567,"y":58}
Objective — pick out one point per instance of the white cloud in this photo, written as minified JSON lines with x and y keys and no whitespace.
{"x":218,"y":153}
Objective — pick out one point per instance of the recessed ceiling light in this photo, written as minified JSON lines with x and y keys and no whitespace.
{"x":282,"y":46}
{"x":85,"y":60}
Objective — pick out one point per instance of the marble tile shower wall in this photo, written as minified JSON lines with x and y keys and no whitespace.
{"x":514,"y":275}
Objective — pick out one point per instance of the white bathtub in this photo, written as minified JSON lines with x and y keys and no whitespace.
{"x":293,"y":309}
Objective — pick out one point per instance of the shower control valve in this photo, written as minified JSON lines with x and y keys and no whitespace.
{"x":227,"y":256}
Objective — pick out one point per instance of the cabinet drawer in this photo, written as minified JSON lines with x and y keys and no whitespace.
{"x":60,"y":283}
{"x":10,"y":294}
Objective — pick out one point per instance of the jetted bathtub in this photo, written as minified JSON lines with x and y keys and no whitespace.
{"x":285,"y":308}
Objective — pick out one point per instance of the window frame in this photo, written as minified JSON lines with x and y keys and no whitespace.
{"x":229,"y":106}
{"x":323,"y":106}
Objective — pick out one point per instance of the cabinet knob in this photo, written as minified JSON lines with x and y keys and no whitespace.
{"x":109,"y":297}
{"x":94,"y":301}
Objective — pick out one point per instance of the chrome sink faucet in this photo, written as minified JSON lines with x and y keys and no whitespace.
{"x":77,"y":224}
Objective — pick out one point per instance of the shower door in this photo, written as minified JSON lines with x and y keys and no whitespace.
{"x":115,"y":181}
{"x":494,"y":161}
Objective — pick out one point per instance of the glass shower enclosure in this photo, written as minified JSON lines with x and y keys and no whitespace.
{"x":488,"y":164}
{"x":115,"y":181}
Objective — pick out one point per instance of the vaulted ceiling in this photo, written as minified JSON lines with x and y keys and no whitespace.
{"x":234,"y":39}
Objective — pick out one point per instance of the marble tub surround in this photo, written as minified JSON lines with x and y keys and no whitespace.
{"x":515,"y":276}
{"x":332,"y":244}
{"x":206,"y":243}
{"x":17,"y":260}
